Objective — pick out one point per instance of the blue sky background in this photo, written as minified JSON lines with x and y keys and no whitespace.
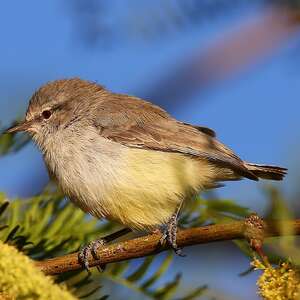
{"x":256,"y":113}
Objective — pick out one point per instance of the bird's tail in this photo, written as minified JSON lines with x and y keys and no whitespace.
{"x":267,"y":172}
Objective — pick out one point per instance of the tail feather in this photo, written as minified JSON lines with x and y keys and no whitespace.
{"x":267,"y":172}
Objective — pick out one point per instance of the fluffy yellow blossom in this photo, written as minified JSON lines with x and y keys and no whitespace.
{"x":278,"y":283}
{"x":20,"y":279}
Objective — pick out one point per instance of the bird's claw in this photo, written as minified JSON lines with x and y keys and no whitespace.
{"x":91,"y":249}
{"x":170,"y":234}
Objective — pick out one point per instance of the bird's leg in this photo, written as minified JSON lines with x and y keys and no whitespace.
{"x":92,"y":247}
{"x":170,"y":232}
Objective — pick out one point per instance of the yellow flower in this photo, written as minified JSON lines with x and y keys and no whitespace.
{"x":20,"y":279}
{"x":277,"y":283}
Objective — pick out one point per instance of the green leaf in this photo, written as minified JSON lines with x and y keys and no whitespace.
{"x":90,"y":293}
{"x":160,"y":271}
{"x":141,"y":270}
{"x":168,"y":291}
{"x":3,"y":207}
{"x":195,"y":293}
{"x":227,"y":206}
{"x":12,"y":143}
{"x":12,"y":233}
{"x":119,"y":268}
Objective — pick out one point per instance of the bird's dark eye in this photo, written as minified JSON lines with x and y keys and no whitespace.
{"x":46,"y":114}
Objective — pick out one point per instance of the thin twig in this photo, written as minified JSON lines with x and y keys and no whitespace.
{"x":148,"y":245}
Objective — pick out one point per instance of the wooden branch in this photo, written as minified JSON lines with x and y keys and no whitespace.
{"x":150,"y":244}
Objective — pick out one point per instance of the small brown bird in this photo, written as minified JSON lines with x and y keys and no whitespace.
{"x":125,"y":159}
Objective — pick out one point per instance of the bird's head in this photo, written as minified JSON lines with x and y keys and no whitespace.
{"x":57,"y":105}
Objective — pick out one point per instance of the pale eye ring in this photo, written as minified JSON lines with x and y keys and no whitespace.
{"x":46,"y":114}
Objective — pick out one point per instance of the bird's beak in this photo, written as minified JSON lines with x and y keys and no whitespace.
{"x":23,"y":126}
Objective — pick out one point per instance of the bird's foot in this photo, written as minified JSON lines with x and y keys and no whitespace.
{"x":170,"y":234}
{"x":91,"y":249}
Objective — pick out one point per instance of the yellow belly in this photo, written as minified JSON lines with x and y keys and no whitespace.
{"x":152,"y":185}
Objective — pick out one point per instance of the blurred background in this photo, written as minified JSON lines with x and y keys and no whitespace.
{"x":230,"y":65}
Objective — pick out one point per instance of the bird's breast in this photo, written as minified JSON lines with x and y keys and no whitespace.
{"x":85,"y":165}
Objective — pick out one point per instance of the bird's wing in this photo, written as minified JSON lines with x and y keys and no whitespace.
{"x":139,"y":124}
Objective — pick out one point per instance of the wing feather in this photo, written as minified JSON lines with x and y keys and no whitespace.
{"x":137,"y":123}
